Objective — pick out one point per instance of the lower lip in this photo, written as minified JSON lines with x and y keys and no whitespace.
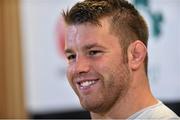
{"x":88,"y":89}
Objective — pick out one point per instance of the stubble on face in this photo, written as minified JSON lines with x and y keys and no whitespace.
{"x":113,"y":76}
{"x":115,"y":86}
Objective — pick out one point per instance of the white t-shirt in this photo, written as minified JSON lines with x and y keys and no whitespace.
{"x":157,"y":111}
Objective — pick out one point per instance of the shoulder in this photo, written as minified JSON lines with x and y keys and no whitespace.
{"x":158,"y":111}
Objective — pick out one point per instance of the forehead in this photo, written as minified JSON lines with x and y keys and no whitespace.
{"x":80,"y":35}
{"x":87,"y":29}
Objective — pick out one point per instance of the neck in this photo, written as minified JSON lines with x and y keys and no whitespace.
{"x":137,"y":97}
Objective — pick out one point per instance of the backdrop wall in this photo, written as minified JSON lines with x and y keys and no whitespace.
{"x":47,"y":88}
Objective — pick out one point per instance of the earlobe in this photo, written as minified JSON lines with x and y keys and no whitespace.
{"x":136,"y":54}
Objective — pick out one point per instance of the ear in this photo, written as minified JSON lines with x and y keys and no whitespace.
{"x":136,"y":54}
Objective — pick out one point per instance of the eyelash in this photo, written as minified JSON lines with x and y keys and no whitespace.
{"x":90,"y":53}
{"x":70,"y":57}
{"x":94,"y":52}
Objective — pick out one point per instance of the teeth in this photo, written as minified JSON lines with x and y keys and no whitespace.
{"x":87,"y":83}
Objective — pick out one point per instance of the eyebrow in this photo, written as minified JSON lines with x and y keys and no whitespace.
{"x":86,"y":47}
{"x":89,"y":46}
{"x":68,"y":51}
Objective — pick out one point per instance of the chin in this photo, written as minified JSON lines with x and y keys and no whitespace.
{"x":94,"y":106}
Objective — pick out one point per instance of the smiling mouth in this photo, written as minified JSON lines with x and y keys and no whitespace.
{"x":87,"y":84}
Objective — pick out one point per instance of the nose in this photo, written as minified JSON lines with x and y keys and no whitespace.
{"x":82,"y":65}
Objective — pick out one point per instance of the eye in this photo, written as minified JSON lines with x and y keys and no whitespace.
{"x":71,"y":57}
{"x":94,"y":52}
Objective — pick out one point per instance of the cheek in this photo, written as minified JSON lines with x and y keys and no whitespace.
{"x":110,"y":67}
{"x":69,"y":74}
{"x":104,"y":70}
{"x":104,"y":65}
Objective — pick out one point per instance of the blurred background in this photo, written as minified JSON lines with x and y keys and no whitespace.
{"x":33,"y":83}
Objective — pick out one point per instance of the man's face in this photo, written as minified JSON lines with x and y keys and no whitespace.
{"x":96,"y":70}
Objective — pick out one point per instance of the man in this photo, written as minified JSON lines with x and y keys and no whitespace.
{"x":106,"y":48}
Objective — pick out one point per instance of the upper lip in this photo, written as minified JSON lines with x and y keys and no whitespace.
{"x":85,"y":79}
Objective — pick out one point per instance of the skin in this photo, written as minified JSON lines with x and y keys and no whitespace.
{"x":94,"y":54}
